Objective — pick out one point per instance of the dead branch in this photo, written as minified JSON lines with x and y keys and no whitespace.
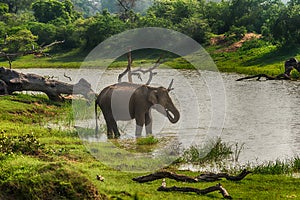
{"x":38,"y":51}
{"x":150,"y":70}
{"x":165,"y":174}
{"x":11,"y":81}
{"x":128,"y":69}
{"x":137,"y":72}
{"x":267,"y":77}
{"x":217,"y":187}
{"x":126,"y":9}
{"x":68,"y":77}
{"x":209,"y":177}
{"x":170,"y":86}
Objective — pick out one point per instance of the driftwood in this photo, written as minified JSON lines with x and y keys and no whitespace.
{"x":217,"y":187}
{"x":11,"y":81}
{"x":137,"y":72}
{"x":267,"y":77}
{"x":209,"y":177}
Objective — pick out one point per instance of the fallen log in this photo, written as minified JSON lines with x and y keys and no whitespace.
{"x":165,"y":174}
{"x":12,"y":81}
{"x":209,"y":177}
{"x":217,"y":187}
{"x":267,"y":77}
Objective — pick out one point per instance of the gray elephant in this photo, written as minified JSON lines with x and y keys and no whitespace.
{"x":126,"y":101}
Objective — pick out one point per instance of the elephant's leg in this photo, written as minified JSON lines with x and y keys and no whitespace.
{"x":115,"y":128}
{"x":140,"y":121}
{"x":109,"y":123}
{"x":148,"y":123}
{"x":109,"y":128}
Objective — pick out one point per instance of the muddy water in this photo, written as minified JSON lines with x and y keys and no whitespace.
{"x":262,"y":115}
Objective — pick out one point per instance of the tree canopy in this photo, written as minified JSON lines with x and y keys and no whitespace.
{"x":84,"y":24}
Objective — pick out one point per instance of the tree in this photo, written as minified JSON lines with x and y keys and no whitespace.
{"x":174,"y":10}
{"x":22,"y":40}
{"x":218,"y":16}
{"x":50,"y":10}
{"x":46,"y":32}
{"x":100,"y":27}
{"x":3,"y":9}
{"x":286,"y":28}
{"x":17,"y":5}
{"x":196,"y":28}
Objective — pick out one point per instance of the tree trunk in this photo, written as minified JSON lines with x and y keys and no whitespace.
{"x":11,"y":81}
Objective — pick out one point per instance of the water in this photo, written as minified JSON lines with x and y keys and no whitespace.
{"x":262,"y":115}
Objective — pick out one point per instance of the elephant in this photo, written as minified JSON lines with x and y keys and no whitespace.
{"x":126,"y":101}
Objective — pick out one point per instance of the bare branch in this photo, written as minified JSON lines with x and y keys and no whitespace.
{"x":68,"y":77}
{"x":128,"y":69}
{"x":218,"y":187}
{"x":209,"y":177}
{"x":126,"y":9}
{"x":259,"y":76}
{"x":39,"y":51}
{"x":170,"y":86}
{"x":150,"y":70}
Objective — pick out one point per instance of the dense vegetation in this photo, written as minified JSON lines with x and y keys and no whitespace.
{"x":84,"y":25}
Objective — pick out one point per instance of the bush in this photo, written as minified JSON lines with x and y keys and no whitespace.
{"x":218,"y":151}
{"x":236,"y":32}
{"x":46,"y":181}
{"x":26,"y":144}
{"x":22,"y":40}
{"x":46,"y":32}
{"x":252,"y":44}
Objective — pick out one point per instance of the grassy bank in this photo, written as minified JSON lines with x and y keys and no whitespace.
{"x":253,"y":57}
{"x":38,"y":161}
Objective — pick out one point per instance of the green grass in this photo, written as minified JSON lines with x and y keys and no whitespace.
{"x":254,"y":57}
{"x":39,"y":162}
{"x":264,"y":58}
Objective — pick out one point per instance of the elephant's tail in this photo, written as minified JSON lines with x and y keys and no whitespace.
{"x":96,"y":115}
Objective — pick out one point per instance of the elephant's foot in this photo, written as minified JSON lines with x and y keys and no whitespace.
{"x":138,"y":131}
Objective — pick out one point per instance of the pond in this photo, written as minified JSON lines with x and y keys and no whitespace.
{"x":264,"y":116}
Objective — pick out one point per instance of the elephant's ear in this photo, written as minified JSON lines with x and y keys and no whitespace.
{"x":152,"y":97}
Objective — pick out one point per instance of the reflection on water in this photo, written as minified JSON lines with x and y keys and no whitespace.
{"x":265,"y":115}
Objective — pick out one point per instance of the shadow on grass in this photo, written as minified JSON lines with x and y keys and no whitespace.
{"x":278,"y":55}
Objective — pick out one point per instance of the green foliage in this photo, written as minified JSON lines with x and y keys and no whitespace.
{"x":54,"y":11}
{"x":39,"y":180}
{"x":100,"y":27}
{"x":236,"y":33}
{"x":175,"y":11}
{"x":253,"y":44}
{"x":195,"y":28}
{"x":14,"y":6}
{"x":26,"y":144}
{"x":3,"y":9}
{"x":286,"y":27}
{"x":46,"y":32}
{"x":218,"y":151}
{"x":22,"y":40}
{"x":279,"y":167}
{"x":150,"y":20}
{"x":147,"y":141}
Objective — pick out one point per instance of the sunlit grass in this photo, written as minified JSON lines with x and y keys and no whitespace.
{"x":59,"y":166}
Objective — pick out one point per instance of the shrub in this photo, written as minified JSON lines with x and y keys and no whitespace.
{"x":26,"y":144}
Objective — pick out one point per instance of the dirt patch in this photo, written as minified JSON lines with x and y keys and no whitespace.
{"x":221,"y":40}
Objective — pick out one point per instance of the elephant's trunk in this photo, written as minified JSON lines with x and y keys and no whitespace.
{"x":173,"y":115}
